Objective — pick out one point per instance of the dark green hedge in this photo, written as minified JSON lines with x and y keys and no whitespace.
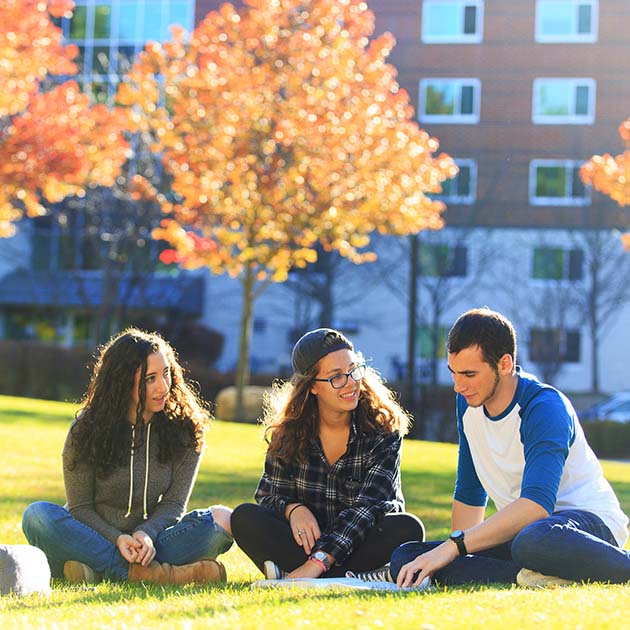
{"x":608,"y":439}
{"x":37,"y":370}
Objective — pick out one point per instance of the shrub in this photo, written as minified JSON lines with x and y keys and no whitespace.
{"x":37,"y":370}
{"x":608,"y":439}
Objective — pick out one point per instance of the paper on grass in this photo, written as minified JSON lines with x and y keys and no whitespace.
{"x":340,"y":582}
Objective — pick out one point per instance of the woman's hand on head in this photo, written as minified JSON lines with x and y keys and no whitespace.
{"x":305,"y":528}
{"x":146,"y":550}
{"x":128,"y":547}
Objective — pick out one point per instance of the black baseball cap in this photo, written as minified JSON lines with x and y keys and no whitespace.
{"x":315,"y":345}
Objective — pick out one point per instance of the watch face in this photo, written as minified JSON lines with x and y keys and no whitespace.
{"x":458,"y":533}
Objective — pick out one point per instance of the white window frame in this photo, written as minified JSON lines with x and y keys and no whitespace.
{"x":571,"y":118}
{"x":472,"y":195}
{"x":454,"y":119}
{"x":457,"y":38}
{"x":574,"y":37}
{"x":555,"y":201}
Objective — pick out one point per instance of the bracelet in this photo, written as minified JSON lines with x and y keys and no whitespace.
{"x":319,"y":562}
{"x":295,"y":507}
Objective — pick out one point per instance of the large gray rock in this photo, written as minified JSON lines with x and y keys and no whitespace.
{"x":225,"y":408}
{"x":23,"y":569}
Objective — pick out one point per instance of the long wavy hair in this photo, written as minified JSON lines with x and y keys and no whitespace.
{"x":291,"y":418}
{"x":102,"y":431}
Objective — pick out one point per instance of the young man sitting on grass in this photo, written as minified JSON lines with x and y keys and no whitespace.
{"x":521,"y":443}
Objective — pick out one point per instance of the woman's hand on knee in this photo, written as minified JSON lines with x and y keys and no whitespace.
{"x":305,"y":528}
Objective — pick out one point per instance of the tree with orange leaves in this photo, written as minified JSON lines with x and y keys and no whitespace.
{"x":52,"y":143}
{"x":611,"y":175}
{"x":283,"y":127}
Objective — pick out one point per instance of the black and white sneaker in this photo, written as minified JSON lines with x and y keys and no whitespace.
{"x":272,"y":571}
{"x":383,"y":575}
{"x":376,"y":575}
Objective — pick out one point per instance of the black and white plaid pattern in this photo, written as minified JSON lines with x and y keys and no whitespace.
{"x":348,"y":498}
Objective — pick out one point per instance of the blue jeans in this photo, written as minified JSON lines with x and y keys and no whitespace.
{"x":572,"y":544}
{"x":62,"y":537}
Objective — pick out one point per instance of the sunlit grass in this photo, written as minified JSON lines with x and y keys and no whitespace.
{"x":32,"y":434}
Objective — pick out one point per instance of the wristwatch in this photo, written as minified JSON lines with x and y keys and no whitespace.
{"x":320,"y":557}
{"x":458,"y":538}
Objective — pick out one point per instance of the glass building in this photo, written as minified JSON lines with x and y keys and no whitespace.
{"x":109,"y":33}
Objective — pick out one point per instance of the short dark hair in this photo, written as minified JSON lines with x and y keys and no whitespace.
{"x":483,"y":327}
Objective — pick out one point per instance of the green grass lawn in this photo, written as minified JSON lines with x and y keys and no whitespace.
{"x":31,"y":437}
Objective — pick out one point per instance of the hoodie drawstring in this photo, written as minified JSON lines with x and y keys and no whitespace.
{"x":146,"y":473}
{"x":145,"y":515}
{"x":133,"y":440}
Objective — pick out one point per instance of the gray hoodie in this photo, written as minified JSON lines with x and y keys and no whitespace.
{"x":144,"y":494}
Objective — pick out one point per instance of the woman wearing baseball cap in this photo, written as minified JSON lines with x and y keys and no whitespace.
{"x":330,"y":500}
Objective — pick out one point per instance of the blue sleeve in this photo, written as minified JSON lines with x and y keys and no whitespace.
{"x":468,"y":488}
{"x":547,"y":432}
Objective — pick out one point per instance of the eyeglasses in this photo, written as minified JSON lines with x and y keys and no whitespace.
{"x":339,"y":380}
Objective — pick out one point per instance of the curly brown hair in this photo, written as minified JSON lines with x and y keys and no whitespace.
{"x":291,"y":419}
{"x":101,"y":431}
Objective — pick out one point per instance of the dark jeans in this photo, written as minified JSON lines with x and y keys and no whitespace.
{"x":61,"y":537}
{"x":263,"y":534}
{"x":572,"y":544}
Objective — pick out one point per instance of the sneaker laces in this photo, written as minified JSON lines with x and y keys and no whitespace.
{"x":376,"y":575}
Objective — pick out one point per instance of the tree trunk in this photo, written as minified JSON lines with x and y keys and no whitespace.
{"x":595,"y":358}
{"x":242,"y":369}
{"x":412,"y":324}
{"x":594,"y":324}
{"x":326,"y":300}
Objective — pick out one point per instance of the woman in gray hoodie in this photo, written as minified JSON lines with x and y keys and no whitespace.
{"x":130,"y":461}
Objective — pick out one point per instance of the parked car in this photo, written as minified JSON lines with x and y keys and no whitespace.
{"x":615,"y":408}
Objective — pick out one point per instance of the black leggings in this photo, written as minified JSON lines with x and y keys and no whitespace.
{"x":265,"y":535}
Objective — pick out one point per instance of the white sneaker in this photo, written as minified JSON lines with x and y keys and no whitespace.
{"x":533,"y":579}
{"x":272,"y":571}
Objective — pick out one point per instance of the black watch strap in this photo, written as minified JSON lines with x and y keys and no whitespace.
{"x":458,"y":538}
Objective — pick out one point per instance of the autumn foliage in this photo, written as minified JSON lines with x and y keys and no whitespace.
{"x":283,"y":126}
{"x":611,"y":175}
{"x":53,"y":143}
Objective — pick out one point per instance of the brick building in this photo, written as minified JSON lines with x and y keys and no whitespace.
{"x":519,"y":93}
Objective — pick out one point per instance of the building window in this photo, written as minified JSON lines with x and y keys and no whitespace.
{"x":452,"y":22}
{"x":555,"y":263}
{"x":566,"y":20}
{"x":553,"y":345}
{"x":260,"y":325}
{"x":563,"y":101}
{"x":110,"y":33}
{"x":454,"y":101}
{"x":556,"y":183}
{"x":463,"y":187}
{"x":440,"y":260}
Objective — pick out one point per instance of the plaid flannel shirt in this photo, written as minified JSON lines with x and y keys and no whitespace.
{"x":347,"y":498}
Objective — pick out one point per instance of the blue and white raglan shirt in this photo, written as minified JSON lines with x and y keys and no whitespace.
{"x":536,"y":450}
